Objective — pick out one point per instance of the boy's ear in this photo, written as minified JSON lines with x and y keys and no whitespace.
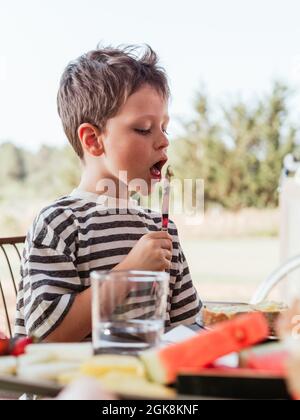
{"x":91,"y":139}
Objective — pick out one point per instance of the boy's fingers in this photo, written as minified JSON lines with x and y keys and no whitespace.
{"x":167,"y":255}
{"x":160,"y":235}
{"x":167,"y":264}
{"x":166,"y":244}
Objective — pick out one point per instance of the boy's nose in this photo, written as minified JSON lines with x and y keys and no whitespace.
{"x":162,"y":142}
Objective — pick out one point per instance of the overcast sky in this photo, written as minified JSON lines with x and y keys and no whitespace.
{"x":235,"y":47}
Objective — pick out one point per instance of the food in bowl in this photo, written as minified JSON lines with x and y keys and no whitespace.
{"x":216,"y":312}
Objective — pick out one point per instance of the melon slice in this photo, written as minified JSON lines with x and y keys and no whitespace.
{"x":268,"y":358}
{"x":134,"y":386}
{"x":35,"y":359}
{"x":67,"y":378}
{"x":8,"y":365}
{"x":47,"y":371}
{"x":71,"y":352}
{"x":164,"y":364}
{"x":104,"y":363}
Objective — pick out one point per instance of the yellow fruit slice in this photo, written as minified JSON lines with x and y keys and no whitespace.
{"x":131,"y":385}
{"x":69,"y":377}
{"x":102,"y":364}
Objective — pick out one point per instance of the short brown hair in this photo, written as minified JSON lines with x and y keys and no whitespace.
{"x":94,"y":87}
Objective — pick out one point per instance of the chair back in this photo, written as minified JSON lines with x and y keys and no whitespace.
{"x":10,"y":259}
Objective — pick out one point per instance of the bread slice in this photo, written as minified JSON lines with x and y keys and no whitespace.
{"x":214,"y":313}
{"x":272,"y":311}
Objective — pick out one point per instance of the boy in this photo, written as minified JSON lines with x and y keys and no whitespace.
{"x":114,"y":110}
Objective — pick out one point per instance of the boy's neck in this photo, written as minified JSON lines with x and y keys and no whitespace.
{"x":92,"y":184}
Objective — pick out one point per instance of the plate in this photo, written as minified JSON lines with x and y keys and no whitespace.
{"x":234,"y":384}
{"x":49,"y":389}
{"x":18,"y":385}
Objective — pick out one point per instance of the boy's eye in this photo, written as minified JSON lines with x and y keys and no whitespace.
{"x":145,"y":132}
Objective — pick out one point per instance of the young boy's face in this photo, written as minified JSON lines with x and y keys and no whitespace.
{"x":135,"y":139}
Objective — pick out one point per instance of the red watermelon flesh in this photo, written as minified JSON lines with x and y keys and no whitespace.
{"x":164,"y":364}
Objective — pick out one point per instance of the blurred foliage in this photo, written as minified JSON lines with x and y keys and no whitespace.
{"x":29,"y":181}
{"x":48,"y":173}
{"x":240,"y":155}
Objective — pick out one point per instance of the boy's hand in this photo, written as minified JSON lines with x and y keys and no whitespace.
{"x":153,"y":252}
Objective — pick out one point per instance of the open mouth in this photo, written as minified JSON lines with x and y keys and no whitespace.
{"x":156,"y":169}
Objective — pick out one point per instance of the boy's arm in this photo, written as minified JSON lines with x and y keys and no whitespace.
{"x":77,"y":324}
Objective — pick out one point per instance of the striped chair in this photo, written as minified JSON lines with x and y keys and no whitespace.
{"x":10,"y":257}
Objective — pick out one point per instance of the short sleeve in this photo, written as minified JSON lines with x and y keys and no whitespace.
{"x":49,"y":281}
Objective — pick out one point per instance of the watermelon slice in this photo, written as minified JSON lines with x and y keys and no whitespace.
{"x":269,"y":358}
{"x":164,"y":364}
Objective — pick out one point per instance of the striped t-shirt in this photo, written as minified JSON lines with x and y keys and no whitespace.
{"x":76,"y":235}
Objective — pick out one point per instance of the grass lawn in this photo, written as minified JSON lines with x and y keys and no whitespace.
{"x":230,"y":269}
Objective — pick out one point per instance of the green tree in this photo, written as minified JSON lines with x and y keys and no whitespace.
{"x":240,"y":157}
{"x":12,"y":163}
